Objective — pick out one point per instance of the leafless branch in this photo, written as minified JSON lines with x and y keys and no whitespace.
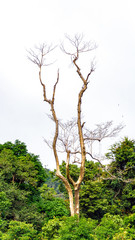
{"x":119,"y":179}
{"x":78,"y":44}
{"x":38,"y":56}
{"x":111,"y":176}
{"x":103,"y":130}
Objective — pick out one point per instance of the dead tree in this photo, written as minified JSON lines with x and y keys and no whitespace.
{"x":40,"y":60}
{"x":71,"y":137}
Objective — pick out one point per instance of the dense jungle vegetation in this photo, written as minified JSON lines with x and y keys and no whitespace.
{"x":34,"y":203}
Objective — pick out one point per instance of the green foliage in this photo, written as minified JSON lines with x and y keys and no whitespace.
{"x":50,"y":204}
{"x":93,"y":171}
{"x":5,"y":204}
{"x":3,"y":225}
{"x":7,"y":164}
{"x":114,"y":227}
{"x":30,"y":208}
{"x":21,"y":170}
{"x":71,"y":228}
{"x":97,"y":196}
{"x":122,"y":155}
{"x":93,"y":202}
{"x":74,"y":173}
{"x":46,"y":192}
{"x":50,"y":229}
{"x":42,"y":174}
{"x":15,"y":199}
{"x":93,"y":195}
{"x":122,"y":235}
{"x":20,"y":231}
{"x":56,"y":207}
{"x":21,"y":175}
{"x":74,"y":170}
{"x":31,"y":214}
{"x":128,"y":197}
{"x":109,"y":225}
{"x":18,"y":148}
{"x":109,"y":196}
{"x":130,"y":220}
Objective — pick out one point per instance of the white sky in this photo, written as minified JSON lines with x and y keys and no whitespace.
{"x":110,"y":96}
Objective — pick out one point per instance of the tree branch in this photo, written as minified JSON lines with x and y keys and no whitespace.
{"x":67,"y":169}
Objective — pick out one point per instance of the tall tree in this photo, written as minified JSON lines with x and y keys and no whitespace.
{"x":71,"y":135}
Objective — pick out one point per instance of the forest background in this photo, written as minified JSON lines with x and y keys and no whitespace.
{"x":34,"y":203}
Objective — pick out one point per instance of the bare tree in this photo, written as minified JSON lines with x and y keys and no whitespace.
{"x":71,"y":137}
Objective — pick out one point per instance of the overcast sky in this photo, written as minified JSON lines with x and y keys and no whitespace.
{"x":110,"y":95}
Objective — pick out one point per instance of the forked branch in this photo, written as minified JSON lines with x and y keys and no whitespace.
{"x":39,"y":60}
{"x":38,"y":56}
{"x":80,"y":47}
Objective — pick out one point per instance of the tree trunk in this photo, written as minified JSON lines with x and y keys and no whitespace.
{"x":77,"y":201}
{"x":71,"y":203}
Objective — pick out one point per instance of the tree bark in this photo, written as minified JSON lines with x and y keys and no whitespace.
{"x":77,"y":201}
{"x":71,"y":203}
{"x":69,"y":190}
